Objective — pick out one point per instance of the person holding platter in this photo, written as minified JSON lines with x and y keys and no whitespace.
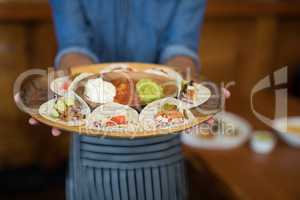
{"x":94,"y":31}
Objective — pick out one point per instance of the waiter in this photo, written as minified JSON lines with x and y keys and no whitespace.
{"x":149,"y":31}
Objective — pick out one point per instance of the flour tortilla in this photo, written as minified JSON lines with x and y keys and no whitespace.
{"x":45,"y":111}
{"x":166,"y":72}
{"x":56,"y":85}
{"x":147,"y":116}
{"x":109,"y":110}
{"x":203,"y":94}
{"x":77,"y":79}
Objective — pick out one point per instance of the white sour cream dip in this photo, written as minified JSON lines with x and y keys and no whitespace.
{"x":99,"y":91}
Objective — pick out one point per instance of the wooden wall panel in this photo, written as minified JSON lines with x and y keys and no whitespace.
{"x":288,"y":43}
{"x":13,"y":61}
{"x":246,"y":49}
{"x":41,"y":45}
{"x":257,"y":54}
{"x":220,"y":47}
{"x":22,"y":47}
{"x":14,"y":143}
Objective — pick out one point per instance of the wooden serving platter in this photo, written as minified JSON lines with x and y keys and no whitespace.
{"x":98,"y":67}
{"x":92,"y":132}
{"x":211,"y":106}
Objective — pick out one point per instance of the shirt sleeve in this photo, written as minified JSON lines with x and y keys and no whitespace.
{"x":183,"y":32}
{"x":72,"y":30}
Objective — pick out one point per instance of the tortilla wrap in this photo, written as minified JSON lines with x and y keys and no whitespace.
{"x":46,"y":108}
{"x":77,"y":79}
{"x":147,"y":116}
{"x":57,"y":85}
{"x":202,"y":95}
{"x":105,"y":112}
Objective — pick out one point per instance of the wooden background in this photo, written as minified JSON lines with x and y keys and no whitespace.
{"x":242,"y":41}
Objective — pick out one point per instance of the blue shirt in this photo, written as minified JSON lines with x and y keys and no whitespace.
{"x":128,"y":30}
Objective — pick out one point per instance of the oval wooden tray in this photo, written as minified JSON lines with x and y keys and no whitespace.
{"x":212,"y":104}
{"x":84,"y":131}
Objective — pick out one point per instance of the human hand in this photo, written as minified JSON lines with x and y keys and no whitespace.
{"x":69,"y":60}
{"x":36,"y":93}
{"x":74,"y":59}
{"x":186,"y":66}
{"x":54,"y":131}
{"x":183,"y":65}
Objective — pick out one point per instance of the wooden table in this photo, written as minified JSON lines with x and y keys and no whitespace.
{"x":248,"y":175}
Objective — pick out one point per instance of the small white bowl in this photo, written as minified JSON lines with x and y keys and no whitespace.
{"x":280,"y":125}
{"x":262,"y":142}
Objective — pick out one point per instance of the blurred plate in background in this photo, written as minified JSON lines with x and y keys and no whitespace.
{"x":229,"y":131}
{"x":289,"y":130}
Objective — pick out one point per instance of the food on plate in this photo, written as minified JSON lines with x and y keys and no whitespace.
{"x":99,"y":91}
{"x":117,"y":68}
{"x":77,"y":80}
{"x":69,"y":110}
{"x":193,"y":94}
{"x":170,"y":113}
{"x":167,"y":72}
{"x":148,"y":91}
{"x":288,"y":129}
{"x":113,"y":116}
{"x":165,"y":113}
{"x":262,"y":142}
{"x":294,"y":129}
{"x":206,"y":134}
{"x":188,"y":92}
{"x":219,"y":128}
{"x":64,"y":84}
{"x":60,"y":85}
{"x":227,"y":131}
{"x":125,"y":92}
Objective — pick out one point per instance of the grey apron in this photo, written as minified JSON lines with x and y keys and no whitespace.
{"x":126,"y":169}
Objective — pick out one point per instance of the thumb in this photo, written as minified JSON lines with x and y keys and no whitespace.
{"x":55,"y":132}
{"x":32,"y":121}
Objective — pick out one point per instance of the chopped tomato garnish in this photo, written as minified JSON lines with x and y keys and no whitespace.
{"x":119,"y":119}
{"x":66,"y":85}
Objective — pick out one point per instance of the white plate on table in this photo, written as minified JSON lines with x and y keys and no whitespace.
{"x":281,"y":125}
{"x":223,"y":140}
